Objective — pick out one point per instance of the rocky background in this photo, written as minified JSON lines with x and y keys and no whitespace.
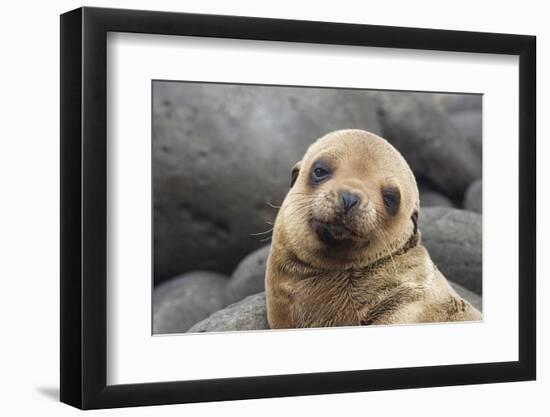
{"x":222,"y":156}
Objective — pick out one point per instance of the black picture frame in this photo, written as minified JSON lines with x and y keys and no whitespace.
{"x":84,"y":207}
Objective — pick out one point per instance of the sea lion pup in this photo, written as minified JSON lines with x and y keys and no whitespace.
{"x":346,"y":248}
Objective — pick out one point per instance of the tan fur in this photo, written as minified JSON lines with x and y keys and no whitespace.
{"x":374,"y":270}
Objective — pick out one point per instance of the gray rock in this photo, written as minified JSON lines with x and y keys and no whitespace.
{"x":434,"y":147}
{"x":249,"y":276}
{"x":221,"y":152}
{"x":429,"y":198}
{"x":455,"y":103}
{"x":473,"y":298}
{"x":453,"y":239}
{"x":247,"y":314}
{"x":473,"y":200}
{"x":183,"y":301}
{"x":469,"y":122}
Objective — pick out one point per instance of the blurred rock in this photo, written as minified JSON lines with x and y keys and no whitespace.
{"x":183,"y":301}
{"x":455,"y":103}
{"x":249,"y":276}
{"x":469,"y":122}
{"x":473,"y":200}
{"x":221,"y":152}
{"x":453,"y":239}
{"x":247,"y":314}
{"x":430,"y":198}
{"x":435,"y":148}
{"x":468,"y":295}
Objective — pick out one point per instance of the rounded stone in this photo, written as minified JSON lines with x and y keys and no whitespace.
{"x":247,"y":314}
{"x":249,"y":276}
{"x":429,"y":198}
{"x":470,"y":124}
{"x":453,"y":240}
{"x":456,"y":103}
{"x":181,"y":302}
{"x":434,"y":147}
{"x":473,"y":199}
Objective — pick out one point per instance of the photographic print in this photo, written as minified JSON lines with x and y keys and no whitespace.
{"x":283,"y":207}
{"x":322,"y":189}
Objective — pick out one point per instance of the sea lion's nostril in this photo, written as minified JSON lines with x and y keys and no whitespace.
{"x":349,"y":200}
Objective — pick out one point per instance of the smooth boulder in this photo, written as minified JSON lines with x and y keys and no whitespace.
{"x":473,"y":199}
{"x":185,"y":300}
{"x":470,"y":124}
{"x":457,"y":103}
{"x":247,"y":314}
{"x":429,"y":198}
{"x":434,"y":147}
{"x":249,"y":276}
{"x":453,"y":238}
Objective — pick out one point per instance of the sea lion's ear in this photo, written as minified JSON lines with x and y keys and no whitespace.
{"x":295,"y":172}
{"x":414,"y":219}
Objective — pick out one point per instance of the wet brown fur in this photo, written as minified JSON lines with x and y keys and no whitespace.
{"x":390,"y":280}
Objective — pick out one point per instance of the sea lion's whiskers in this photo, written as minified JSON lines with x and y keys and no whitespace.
{"x":300,"y":198}
{"x":288,"y":204}
{"x":275,"y":206}
{"x":261,"y":233}
{"x":300,"y":209}
{"x":299,"y":201}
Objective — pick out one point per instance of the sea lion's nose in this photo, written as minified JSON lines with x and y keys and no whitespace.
{"x":349,"y":201}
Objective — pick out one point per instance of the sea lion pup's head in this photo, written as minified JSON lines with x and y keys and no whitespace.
{"x":353,"y":200}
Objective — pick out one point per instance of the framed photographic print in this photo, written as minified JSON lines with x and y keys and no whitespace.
{"x":257,"y":208}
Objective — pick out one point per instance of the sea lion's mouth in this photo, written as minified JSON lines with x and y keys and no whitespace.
{"x":337,"y":234}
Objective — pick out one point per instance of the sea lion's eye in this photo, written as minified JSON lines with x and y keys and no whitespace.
{"x":391,"y":197}
{"x":319,"y":172}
